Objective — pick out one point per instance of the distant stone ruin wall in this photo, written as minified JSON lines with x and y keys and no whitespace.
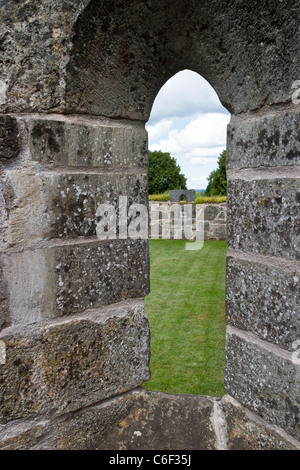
{"x":214,"y":219}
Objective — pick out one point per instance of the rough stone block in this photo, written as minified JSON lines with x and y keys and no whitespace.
{"x":75,"y":203}
{"x":24,"y":213}
{"x":29,"y":277}
{"x":9,"y":141}
{"x":218,"y":231}
{"x":211,"y":212}
{"x":263,"y":299}
{"x":87,"y":142}
{"x":246,"y":431}
{"x":142,"y":421}
{"x":266,"y":141}
{"x":75,"y":57}
{"x":263,"y":378}
{"x":101,"y":273}
{"x":139,"y":57}
{"x":23,"y":436}
{"x":62,"y":366}
{"x":4,"y":299}
{"x":43,"y":205}
{"x":35,"y":80}
{"x":65,"y":279}
{"x":263,"y":217}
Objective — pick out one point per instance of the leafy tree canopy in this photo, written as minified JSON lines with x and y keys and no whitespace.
{"x":164,"y":173}
{"x":217,"y":181}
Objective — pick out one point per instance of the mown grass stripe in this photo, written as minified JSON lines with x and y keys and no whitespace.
{"x":186,"y":311}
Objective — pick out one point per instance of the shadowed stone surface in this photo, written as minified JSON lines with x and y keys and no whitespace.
{"x":87,"y":142}
{"x":141,"y":420}
{"x":111,"y":58}
{"x":9,"y":143}
{"x":4,"y":302}
{"x":218,"y":41}
{"x":35,"y":40}
{"x":22,"y":437}
{"x":66,"y":365}
{"x":259,"y":213}
{"x":264,"y":379}
{"x":177,"y":195}
{"x":144,"y":420}
{"x":245,"y":431}
{"x":266,"y":141}
{"x":264,"y":300}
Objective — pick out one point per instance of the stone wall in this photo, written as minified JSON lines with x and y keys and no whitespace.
{"x":214,"y":218}
{"x":77,"y":84}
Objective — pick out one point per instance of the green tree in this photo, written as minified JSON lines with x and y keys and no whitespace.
{"x":164,"y":174}
{"x":217,"y":180}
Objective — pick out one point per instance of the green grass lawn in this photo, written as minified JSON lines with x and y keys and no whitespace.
{"x":186,"y":311}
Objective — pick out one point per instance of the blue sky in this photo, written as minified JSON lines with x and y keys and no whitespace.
{"x":188,"y":121}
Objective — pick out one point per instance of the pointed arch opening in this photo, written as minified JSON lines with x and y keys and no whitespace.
{"x":186,"y":305}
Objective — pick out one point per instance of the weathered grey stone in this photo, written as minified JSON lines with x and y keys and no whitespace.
{"x":211,"y":212}
{"x":196,"y":37}
{"x":63,"y":204}
{"x":24,"y":216}
{"x":246,"y":431}
{"x":94,"y":274}
{"x":9,"y":143}
{"x":259,"y":213}
{"x":143,"y":421}
{"x":31,"y":286}
{"x":264,"y":379}
{"x":65,"y":279}
{"x":35,"y":42}
{"x":4,"y":299}
{"x":22,"y":436}
{"x":87,"y":142}
{"x":112,"y":58}
{"x":263,"y":299}
{"x":222,"y":214}
{"x":65,"y":365}
{"x":219,"y":231}
{"x":265,"y":141}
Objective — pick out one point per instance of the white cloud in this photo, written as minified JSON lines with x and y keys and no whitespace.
{"x":207,"y":130}
{"x":189,"y":122}
{"x":203,"y":139}
{"x":198,"y":183}
{"x":160,"y":129}
{"x":205,"y":160}
{"x":184,"y":95}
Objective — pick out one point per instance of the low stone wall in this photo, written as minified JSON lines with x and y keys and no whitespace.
{"x":165,"y":214}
